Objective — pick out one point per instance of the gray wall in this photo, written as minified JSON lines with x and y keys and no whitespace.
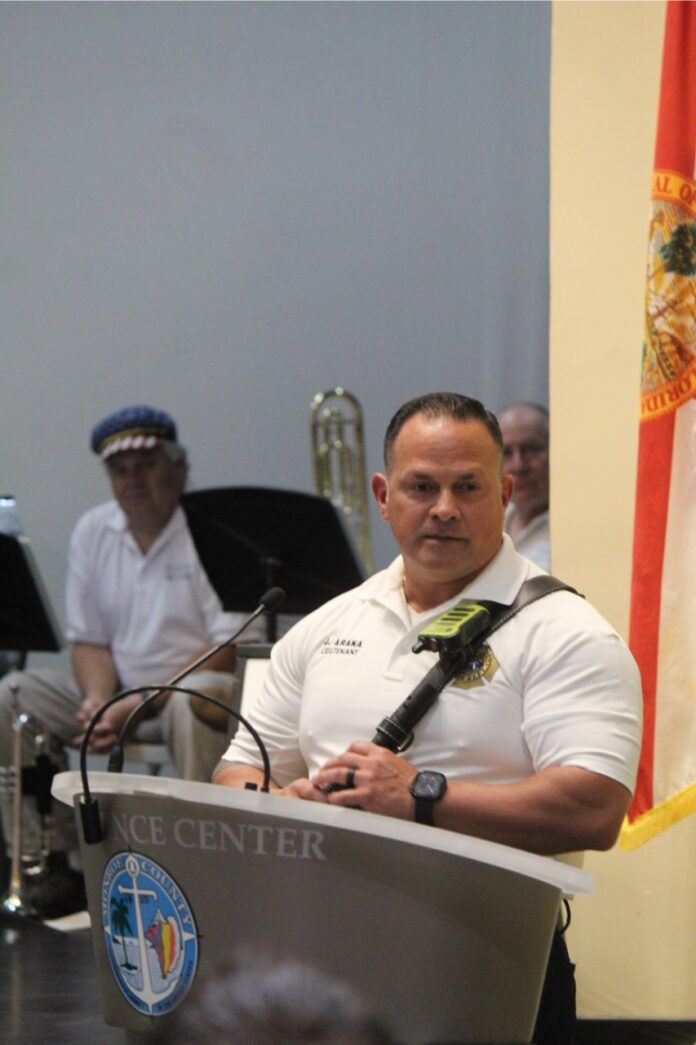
{"x":226,"y":208}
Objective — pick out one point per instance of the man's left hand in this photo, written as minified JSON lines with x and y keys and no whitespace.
{"x":377,"y":779}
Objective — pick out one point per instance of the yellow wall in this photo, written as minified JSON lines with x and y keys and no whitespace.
{"x":635,"y":939}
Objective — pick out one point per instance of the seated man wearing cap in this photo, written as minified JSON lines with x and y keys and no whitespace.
{"x":139,"y":608}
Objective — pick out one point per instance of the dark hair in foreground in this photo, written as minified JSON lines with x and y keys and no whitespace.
{"x":441,"y":404}
{"x":258,"y":1002}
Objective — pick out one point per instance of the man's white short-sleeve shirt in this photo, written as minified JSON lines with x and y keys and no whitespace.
{"x":534,"y":541}
{"x":557,"y":686}
{"x":154,"y":611}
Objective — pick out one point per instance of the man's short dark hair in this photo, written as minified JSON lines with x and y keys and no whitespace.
{"x":441,"y":404}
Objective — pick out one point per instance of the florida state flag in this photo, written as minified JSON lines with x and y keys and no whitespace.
{"x":663,"y":590}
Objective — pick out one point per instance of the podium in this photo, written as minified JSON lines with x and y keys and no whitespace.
{"x":446,"y":937}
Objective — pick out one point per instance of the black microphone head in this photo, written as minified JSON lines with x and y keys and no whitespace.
{"x":273,"y":599}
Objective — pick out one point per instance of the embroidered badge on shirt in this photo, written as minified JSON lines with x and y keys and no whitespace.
{"x":479,"y":671}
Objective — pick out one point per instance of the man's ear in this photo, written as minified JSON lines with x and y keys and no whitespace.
{"x":380,"y":490}
{"x":508,"y":488}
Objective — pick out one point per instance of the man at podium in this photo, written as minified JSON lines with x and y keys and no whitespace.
{"x":534,"y":744}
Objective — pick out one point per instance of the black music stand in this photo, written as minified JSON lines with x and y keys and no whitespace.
{"x":27,"y":621}
{"x":251,"y":538}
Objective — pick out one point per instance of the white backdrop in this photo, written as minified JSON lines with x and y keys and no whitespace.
{"x":225,"y":208}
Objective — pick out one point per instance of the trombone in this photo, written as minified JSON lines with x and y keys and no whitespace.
{"x":338,"y":454}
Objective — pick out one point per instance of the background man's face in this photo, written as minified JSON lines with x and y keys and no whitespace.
{"x":147,"y":485}
{"x":444,"y":498}
{"x":526,"y":457}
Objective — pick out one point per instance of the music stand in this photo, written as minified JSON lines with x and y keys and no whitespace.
{"x":27,"y":621}
{"x":250,"y":538}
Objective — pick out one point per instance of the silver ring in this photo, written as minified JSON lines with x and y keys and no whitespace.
{"x":350,"y":779}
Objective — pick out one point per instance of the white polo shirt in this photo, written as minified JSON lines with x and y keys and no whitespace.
{"x":155,"y":611}
{"x":558,"y":686}
{"x":534,"y":540}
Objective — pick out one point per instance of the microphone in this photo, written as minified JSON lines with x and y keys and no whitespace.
{"x":455,"y":634}
{"x":89,"y":806}
{"x":269,"y":602}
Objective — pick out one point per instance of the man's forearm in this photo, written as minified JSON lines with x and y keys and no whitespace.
{"x":95,"y":671}
{"x":562,"y":809}
{"x":235,"y":774}
{"x":96,"y":675}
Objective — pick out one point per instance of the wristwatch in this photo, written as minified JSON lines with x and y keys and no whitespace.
{"x":427,"y":788}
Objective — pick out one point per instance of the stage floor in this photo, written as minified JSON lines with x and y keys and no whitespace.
{"x":48,"y":987}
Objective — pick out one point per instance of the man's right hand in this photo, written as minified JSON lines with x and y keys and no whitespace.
{"x":305,"y":789}
{"x":105,"y":733}
{"x":238,"y":775}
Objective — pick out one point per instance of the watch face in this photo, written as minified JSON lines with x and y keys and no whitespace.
{"x":429,"y":784}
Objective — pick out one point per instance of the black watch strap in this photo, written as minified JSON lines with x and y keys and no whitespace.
{"x":424,"y":811}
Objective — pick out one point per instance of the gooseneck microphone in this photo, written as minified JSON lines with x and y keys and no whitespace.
{"x":89,"y":806}
{"x":269,"y":602}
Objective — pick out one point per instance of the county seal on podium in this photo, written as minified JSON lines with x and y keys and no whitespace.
{"x":149,"y":932}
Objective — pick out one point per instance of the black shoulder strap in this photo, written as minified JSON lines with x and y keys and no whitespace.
{"x":396,"y":731}
{"x":532,"y":589}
